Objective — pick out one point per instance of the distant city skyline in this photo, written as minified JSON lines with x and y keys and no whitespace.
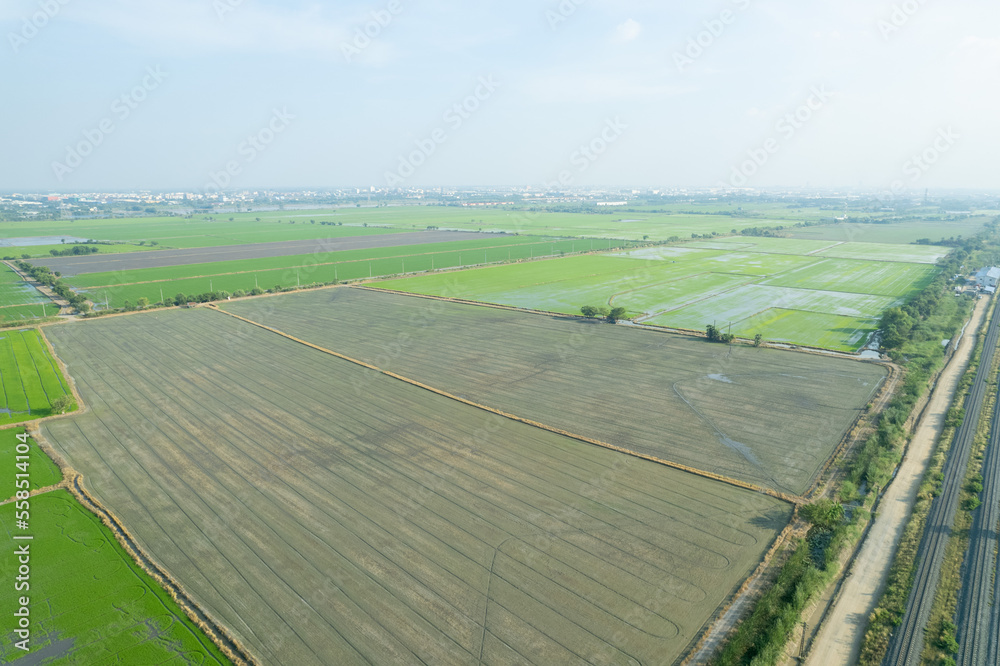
{"x":209,"y":95}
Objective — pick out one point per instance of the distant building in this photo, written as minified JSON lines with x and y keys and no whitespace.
{"x":988,"y":277}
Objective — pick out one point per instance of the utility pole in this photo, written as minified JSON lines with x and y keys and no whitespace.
{"x":161,"y":295}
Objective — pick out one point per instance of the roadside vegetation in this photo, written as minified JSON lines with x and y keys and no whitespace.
{"x":53,"y":281}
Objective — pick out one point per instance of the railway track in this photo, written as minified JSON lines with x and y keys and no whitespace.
{"x":908,"y":640}
{"x":978,"y":618}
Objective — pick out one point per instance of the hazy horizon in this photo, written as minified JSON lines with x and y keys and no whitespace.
{"x":202,"y":94}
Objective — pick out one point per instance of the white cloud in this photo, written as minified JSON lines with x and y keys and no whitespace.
{"x":628,"y":31}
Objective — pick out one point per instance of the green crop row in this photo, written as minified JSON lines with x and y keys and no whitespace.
{"x":28,"y":375}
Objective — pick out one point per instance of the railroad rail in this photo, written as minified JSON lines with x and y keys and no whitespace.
{"x":978,"y":616}
{"x":907,"y":642}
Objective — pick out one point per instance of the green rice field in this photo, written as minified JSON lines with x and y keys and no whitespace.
{"x":43,"y":472}
{"x":859,"y":277}
{"x":15,"y":291}
{"x":897,"y":232}
{"x":787,"y":293}
{"x":29,"y":376}
{"x":19,"y":301}
{"x":18,"y":314}
{"x":116,"y":287}
{"x":90,"y":602}
{"x":920,"y":254}
{"x":260,"y":227}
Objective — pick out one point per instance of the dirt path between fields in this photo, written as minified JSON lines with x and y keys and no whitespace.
{"x":839,"y":640}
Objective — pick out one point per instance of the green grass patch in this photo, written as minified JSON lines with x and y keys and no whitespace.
{"x":29,"y":377}
{"x":90,"y":603}
{"x":42,"y":472}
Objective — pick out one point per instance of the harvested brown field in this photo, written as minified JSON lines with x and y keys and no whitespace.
{"x":763,"y":416}
{"x":394,"y":526}
{"x":102,"y":263}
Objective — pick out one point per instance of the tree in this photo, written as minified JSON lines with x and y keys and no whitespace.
{"x":129,"y":307}
{"x":83,"y":307}
{"x":61,"y":404}
{"x":895,"y":327}
{"x":142,"y":303}
{"x":712,"y":332}
{"x":758,"y":340}
{"x":180,"y":299}
{"x":824,"y":513}
{"x":616,"y":314}
{"x":589,"y":311}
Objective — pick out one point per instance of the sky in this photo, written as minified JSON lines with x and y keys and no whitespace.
{"x":204,"y":95}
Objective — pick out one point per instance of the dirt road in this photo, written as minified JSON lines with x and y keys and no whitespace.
{"x":839,"y":641}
